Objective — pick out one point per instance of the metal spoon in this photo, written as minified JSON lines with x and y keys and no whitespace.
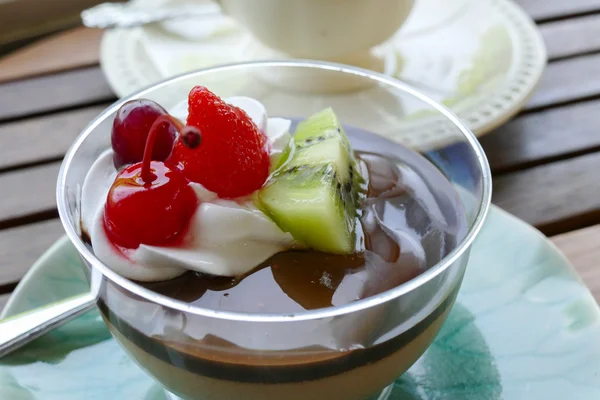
{"x":21,"y":329}
{"x":113,"y":15}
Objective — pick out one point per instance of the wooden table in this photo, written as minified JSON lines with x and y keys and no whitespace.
{"x":546,"y":161}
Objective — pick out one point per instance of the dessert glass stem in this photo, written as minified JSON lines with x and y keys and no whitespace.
{"x":17,"y":331}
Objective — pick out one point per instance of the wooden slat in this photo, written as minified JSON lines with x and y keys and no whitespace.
{"x":43,"y":138}
{"x":582,"y":248}
{"x":30,"y":18}
{"x":21,"y":246}
{"x":556,"y":197}
{"x":53,"y":92}
{"x":3,"y":300}
{"x":540,"y":137}
{"x":533,"y":139}
{"x":572,"y":36}
{"x":28,"y":193}
{"x":568,"y":80}
{"x":75,"y":48}
{"x":545,"y":9}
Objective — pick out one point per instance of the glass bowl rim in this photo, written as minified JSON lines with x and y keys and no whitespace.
{"x":327,"y":312}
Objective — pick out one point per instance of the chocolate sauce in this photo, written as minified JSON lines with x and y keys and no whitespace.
{"x":298,"y":280}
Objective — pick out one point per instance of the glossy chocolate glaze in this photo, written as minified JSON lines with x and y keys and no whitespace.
{"x":298,"y":280}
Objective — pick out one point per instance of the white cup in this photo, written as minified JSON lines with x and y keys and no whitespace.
{"x":332,"y":30}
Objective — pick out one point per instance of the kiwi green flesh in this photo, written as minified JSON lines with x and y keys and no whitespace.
{"x":328,"y":151}
{"x":314,"y":195}
{"x":321,"y":138}
{"x":323,"y":124}
{"x":311,"y":204}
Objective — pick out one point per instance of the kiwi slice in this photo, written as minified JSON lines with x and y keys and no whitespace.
{"x":315,"y":194}
{"x":321,"y":139}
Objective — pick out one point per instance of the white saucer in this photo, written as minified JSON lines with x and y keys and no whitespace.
{"x":482,"y":58}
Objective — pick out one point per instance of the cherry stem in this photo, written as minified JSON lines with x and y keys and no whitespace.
{"x":147,"y":175}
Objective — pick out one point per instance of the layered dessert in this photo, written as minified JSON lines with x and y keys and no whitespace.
{"x":222,"y":207}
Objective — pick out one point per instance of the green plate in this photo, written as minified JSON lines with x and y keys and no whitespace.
{"x":524,"y":327}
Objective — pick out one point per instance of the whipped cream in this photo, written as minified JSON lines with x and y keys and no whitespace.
{"x":225,"y":237}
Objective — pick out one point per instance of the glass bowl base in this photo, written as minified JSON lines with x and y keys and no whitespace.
{"x":384,"y":395}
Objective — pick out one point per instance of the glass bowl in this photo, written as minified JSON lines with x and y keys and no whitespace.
{"x":352,"y":351}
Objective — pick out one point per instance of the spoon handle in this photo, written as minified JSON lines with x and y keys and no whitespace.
{"x":113,"y":15}
{"x":23,"y":328}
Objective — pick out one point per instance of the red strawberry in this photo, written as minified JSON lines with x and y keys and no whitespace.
{"x":233,"y":158}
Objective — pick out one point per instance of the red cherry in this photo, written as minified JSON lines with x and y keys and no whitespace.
{"x":131,"y":127}
{"x":155,"y":214}
{"x":233,"y":159}
{"x":148,"y":202}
